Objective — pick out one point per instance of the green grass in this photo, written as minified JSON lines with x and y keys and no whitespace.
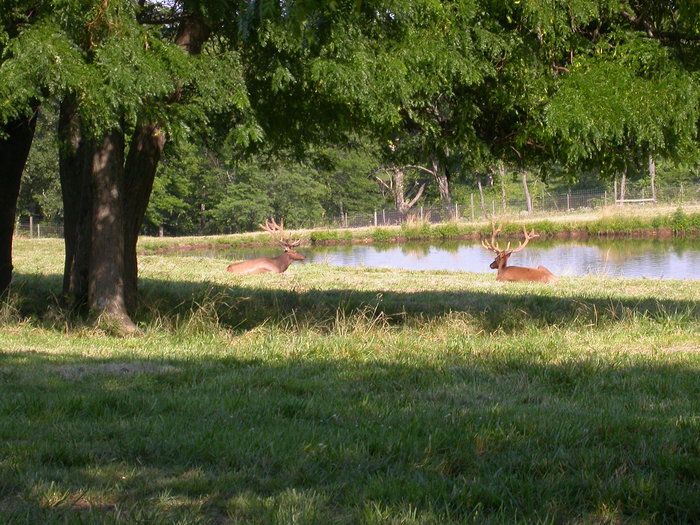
{"x":340,"y":395}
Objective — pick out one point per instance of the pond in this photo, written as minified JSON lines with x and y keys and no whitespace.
{"x":654,"y":259}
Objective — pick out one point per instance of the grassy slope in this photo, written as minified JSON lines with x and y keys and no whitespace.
{"x":340,"y":395}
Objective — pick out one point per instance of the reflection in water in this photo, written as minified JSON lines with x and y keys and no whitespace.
{"x":667,"y":259}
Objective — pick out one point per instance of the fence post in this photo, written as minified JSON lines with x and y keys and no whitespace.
{"x":383,"y":217}
{"x":421,"y":212}
{"x":375,"y":218}
{"x":568,"y":201}
{"x":472,"y":205}
{"x":456,"y":211}
{"x":31,"y":226}
{"x":38,"y":230}
{"x":605,"y":198}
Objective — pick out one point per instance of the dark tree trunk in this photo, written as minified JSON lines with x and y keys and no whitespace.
{"x":145,"y":151}
{"x":14,"y":150}
{"x":75,"y":167}
{"x":106,"y":283}
{"x":141,"y":164}
{"x":105,"y":200}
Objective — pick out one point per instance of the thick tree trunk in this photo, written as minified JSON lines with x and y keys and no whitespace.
{"x":145,"y":152}
{"x":14,"y":150}
{"x":106,"y":283}
{"x":75,"y":168}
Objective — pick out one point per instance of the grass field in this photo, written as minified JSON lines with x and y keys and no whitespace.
{"x":339,"y":395}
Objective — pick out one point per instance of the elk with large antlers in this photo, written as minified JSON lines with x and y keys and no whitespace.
{"x":271,"y":264}
{"x":515,"y":273}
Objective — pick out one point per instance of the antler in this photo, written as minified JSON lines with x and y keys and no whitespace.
{"x":493,"y":245}
{"x":528,"y":236}
{"x":277,"y":230}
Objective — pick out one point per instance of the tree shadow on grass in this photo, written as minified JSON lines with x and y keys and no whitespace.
{"x":319,"y":441}
{"x":470,"y":438}
{"x":244,"y":308}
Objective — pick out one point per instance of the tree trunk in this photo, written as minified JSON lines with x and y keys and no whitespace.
{"x":481,"y":196}
{"x":528,"y":199}
{"x":623,"y":184}
{"x":502,"y":178}
{"x":145,"y":151}
{"x":14,"y":150}
{"x":75,"y":171}
{"x":105,"y":200}
{"x":652,"y":176}
{"x":106,"y":283}
{"x":443,"y":183}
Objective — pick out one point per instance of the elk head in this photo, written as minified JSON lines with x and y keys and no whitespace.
{"x":277,"y":231}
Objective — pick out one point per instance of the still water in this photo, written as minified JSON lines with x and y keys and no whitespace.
{"x":654,"y":259}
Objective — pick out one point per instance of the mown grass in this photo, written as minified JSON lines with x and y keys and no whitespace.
{"x":341,"y":395}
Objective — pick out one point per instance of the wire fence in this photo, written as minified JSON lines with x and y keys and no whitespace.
{"x":477,"y":208}
{"x":474,"y":209}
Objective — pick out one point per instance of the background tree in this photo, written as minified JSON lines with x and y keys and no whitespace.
{"x":19,"y":103}
{"x":632,"y":93}
{"x":40,"y":189}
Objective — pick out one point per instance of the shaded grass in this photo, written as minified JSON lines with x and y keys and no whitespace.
{"x":340,"y":395}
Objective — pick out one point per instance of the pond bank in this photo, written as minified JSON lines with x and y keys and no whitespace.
{"x":676,"y":224}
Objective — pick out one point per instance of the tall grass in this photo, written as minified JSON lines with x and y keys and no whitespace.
{"x":340,"y":395}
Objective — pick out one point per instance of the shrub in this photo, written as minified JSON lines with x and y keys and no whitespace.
{"x":448,"y":229}
{"x":382,"y":234}
{"x":323,"y":235}
{"x":680,"y":221}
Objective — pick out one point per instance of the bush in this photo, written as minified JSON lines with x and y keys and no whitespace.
{"x":330,"y":235}
{"x":414,"y":230}
{"x":447,"y":230}
{"x":382,"y":234}
{"x":680,"y":221}
{"x":323,"y":235}
{"x":617,"y":225}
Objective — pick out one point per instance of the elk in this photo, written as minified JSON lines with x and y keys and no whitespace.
{"x":271,"y":264}
{"x":515,"y":273}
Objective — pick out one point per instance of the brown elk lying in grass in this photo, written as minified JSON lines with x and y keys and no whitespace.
{"x":515,"y":273}
{"x":271,"y":264}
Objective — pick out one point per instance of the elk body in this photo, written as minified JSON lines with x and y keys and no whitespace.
{"x":515,"y":273}
{"x":271,"y":264}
